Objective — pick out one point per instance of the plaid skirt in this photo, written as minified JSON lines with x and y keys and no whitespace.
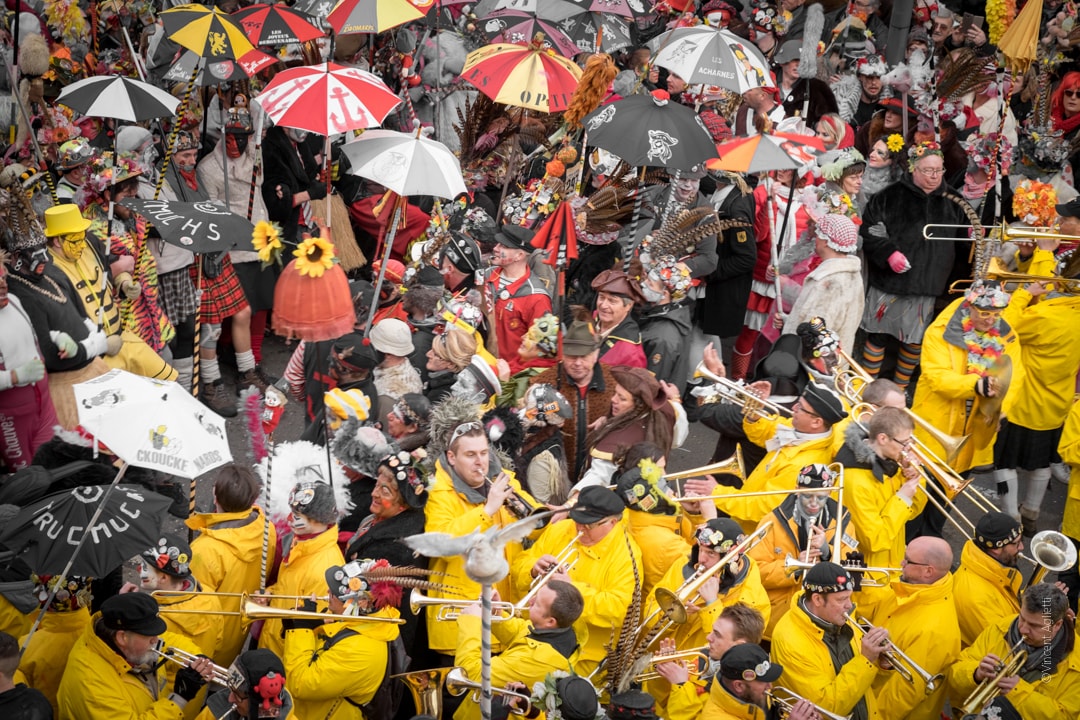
{"x":176,"y":295}
{"x":222,"y":296}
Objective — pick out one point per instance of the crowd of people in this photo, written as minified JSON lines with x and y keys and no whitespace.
{"x":866,"y":333}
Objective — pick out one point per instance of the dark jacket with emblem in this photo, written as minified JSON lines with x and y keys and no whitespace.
{"x":588,"y":408}
{"x":723,"y":308}
{"x":665,"y":334}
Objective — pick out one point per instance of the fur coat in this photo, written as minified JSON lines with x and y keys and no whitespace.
{"x":833,"y":291}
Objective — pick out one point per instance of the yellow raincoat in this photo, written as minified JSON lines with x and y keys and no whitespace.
{"x":722,"y":705}
{"x":43,"y":662}
{"x":1052,"y":697}
{"x":777,"y":471}
{"x":798,"y":646}
{"x":945,"y":387}
{"x":686,"y":701}
{"x":227,"y":557}
{"x":1069,"y":449}
{"x":985,"y":591}
{"x":450,"y":512}
{"x":524,"y":659}
{"x":908,"y":613}
{"x":303,"y":572}
{"x":604,"y":574}
{"x":12,"y":621}
{"x":666,"y":545}
{"x":98,"y":684}
{"x":781,"y":541}
{"x":326,"y":682}
{"x":879,"y":514}
{"x":203,"y":630}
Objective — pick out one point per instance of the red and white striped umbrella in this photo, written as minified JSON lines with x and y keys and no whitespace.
{"x":327,"y":99}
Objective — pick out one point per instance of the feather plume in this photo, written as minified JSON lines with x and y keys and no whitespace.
{"x":685,"y":228}
{"x":251,"y":399}
{"x":392,"y":572}
{"x":620,"y":659}
{"x":815,"y":26}
{"x":592,"y":88}
{"x":294,"y":462}
{"x":963,"y":73}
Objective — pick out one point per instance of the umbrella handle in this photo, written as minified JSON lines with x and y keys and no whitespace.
{"x":389,"y":240}
{"x":71,"y":560}
{"x":176,"y":128}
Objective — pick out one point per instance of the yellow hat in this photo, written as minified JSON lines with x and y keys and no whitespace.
{"x":64,"y":220}
{"x":345,"y":404}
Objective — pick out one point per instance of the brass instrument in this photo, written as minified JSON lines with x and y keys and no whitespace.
{"x":900,"y":662}
{"x":758,"y":493}
{"x":987,"y":690}
{"x":732,"y":466}
{"x":451,"y":609}
{"x":793,"y":564}
{"x":458,"y":683}
{"x":520,"y":508}
{"x":1007,"y":234}
{"x":184,"y":658}
{"x":564,"y":563}
{"x":242,"y":595}
{"x":784,"y":700}
{"x":1051,"y":552}
{"x":694,"y":656}
{"x":251,"y":611}
{"x":425,"y":686}
{"x":740,"y":394}
{"x":997,"y":271}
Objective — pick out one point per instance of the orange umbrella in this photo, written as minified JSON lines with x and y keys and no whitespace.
{"x":524,"y":76}
{"x":758,"y":153}
{"x":1020,"y":42}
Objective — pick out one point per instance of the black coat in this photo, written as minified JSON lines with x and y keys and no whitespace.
{"x":905,"y":210}
{"x":722,"y":310}
{"x":294,"y":169}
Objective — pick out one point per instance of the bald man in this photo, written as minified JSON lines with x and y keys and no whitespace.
{"x":923,"y":598}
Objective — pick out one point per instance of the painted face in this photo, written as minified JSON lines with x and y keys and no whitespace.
{"x":73,"y":245}
{"x":686,"y":189}
{"x":185,"y":160}
{"x":150,"y":578}
{"x":301,"y":524}
{"x":30,"y":263}
{"x":812,"y":503}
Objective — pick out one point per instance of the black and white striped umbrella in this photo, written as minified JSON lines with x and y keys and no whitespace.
{"x":118,"y":97}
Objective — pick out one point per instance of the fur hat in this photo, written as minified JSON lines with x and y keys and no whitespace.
{"x":448,"y":414}
{"x":361,"y":447}
{"x":504,"y":429}
{"x":300,"y":462}
{"x":871,"y":65}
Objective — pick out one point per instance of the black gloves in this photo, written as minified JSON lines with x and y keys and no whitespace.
{"x":317,"y":190}
{"x":982,"y":386}
{"x":188,"y":683}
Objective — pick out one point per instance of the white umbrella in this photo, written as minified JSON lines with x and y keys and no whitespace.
{"x":703,"y":55}
{"x":406,"y":164}
{"x":118,"y":97}
{"x":153,"y":424}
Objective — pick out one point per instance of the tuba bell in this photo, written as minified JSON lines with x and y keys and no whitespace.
{"x":1052,"y":552}
{"x":426,"y":687}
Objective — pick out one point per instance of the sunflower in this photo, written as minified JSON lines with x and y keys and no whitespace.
{"x":314,"y":256}
{"x":266,"y":239}
{"x":895,"y":142}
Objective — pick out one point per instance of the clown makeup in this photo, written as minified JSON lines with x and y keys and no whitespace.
{"x":301,"y":525}
{"x":73,"y":245}
{"x":150,"y":578}
{"x":686,"y":189}
{"x":812,"y":503}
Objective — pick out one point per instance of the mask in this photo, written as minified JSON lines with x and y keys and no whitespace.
{"x":653,"y":296}
{"x":31,"y":263}
{"x":296,"y":135}
{"x":185,"y":167}
{"x":149,"y":156}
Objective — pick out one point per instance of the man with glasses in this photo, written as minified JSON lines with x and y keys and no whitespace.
{"x":987,"y":583}
{"x":906,"y":272}
{"x":604,"y":565}
{"x":922,"y":598}
{"x":881,"y":485}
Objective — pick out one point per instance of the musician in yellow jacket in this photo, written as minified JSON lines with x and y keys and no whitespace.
{"x":607,"y":569}
{"x":334,"y":667}
{"x":1069,"y":449}
{"x":791,"y":445}
{"x":739,"y":689}
{"x":802,"y":527}
{"x":987,"y":583}
{"x":256,"y":690}
{"x":814,"y":638}
{"x":533,"y":648}
{"x":227,"y":554}
{"x":921,"y":599}
{"x":1047,"y":686}
{"x":471,"y":492}
{"x":312,"y":548}
{"x":883,"y":487}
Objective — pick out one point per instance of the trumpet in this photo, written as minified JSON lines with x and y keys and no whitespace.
{"x":564,"y":563}
{"x":793,"y":564}
{"x":451,"y":609}
{"x":987,"y":690}
{"x":732,"y":466}
{"x":694,"y":656}
{"x":425,"y":686}
{"x":1051,"y":552}
{"x":458,"y":683}
{"x":184,"y":658}
{"x":784,"y":700}
{"x":899,"y":661}
{"x":740,"y":394}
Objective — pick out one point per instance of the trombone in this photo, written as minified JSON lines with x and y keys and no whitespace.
{"x":242,"y":595}
{"x":740,"y":394}
{"x":564,"y":563}
{"x":458,"y":683}
{"x":793,"y":564}
{"x":997,"y":271}
{"x":693,"y":656}
{"x":898,"y":660}
{"x":987,"y":690}
{"x":184,"y":658}
{"x":251,"y":611}
{"x":1005,"y":233}
{"x":451,"y":609}
{"x":732,"y":466}
{"x":784,"y":700}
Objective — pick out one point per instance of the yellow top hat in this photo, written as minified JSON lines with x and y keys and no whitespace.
{"x":64,"y":220}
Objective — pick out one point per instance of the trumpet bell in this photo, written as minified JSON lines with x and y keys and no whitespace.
{"x":425,"y":686}
{"x":1053,"y":551}
{"x":731,"y":466}
{"x":670,"y":605}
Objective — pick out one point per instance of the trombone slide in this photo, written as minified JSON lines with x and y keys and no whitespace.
{"x":900,"y":661}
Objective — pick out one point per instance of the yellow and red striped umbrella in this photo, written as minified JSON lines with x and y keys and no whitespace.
{"x":525,"y":76}
{"x":372,"y":16}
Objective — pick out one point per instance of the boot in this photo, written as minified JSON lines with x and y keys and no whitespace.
{"x":252,"y":378}
{"x":740,"y":364}
{"x":215,"y":397}
{"x":1029,"y":519}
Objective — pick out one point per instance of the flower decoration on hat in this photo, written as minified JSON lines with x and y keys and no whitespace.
{"x":895,"y":142}
{"x":985,"y":152}
{"x":987,"y":295}
{"x":314,"y":256}
{"x":73,"y":594}
{"x":407,"y":468}
{"x":1033,"y":203}
{"x":841,"y":161}
{"x":921,"y":150}
{"x":57,"y":126}
{"x":266,"y":239}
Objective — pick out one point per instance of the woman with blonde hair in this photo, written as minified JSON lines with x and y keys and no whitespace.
{"x":458,"y":367}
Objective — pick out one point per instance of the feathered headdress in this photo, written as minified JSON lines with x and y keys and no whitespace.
{"x":681,"y":231}
{"x":378,"y":580}
{"x":300,"y":461}
{"x":447,"y":415}
{"x":361,"y":447}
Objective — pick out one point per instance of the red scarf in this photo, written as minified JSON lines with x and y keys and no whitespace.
{"x":1064,"y":124}
{"x":190,"y":179}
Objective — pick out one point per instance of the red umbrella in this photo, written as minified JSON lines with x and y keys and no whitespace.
{"x":523,"y":76}
{"x":327,"y":99}
{"x":276,"y":25}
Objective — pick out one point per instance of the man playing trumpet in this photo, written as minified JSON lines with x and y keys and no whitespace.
{"x":1045,"y":685}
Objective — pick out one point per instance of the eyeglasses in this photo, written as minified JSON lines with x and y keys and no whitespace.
{"x":595,"y":525}
{"x":1073,"y":92}
{"x":903,"y":443}
{"x":932,"y":172}
{"x":986,"y":314}
{"x":905,"y":561}
{"x":799,"y":406}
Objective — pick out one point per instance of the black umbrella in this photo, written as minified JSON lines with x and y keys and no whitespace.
{"x":645,"y":130}
{"x":46,"y":533}
{"x":201,"y":227}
